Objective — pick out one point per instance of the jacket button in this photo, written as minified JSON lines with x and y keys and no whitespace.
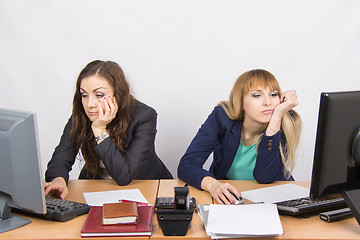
{"x":270,"y":140}
{"x":270,"y":144}
{"x":269,"y":148}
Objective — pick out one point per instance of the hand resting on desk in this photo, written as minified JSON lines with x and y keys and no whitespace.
{"x":57,"y":184}
{"x":221,"y":192}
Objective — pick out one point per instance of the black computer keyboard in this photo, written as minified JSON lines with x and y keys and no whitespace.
{"x":63,"y":210}
{"x":305,"y":206}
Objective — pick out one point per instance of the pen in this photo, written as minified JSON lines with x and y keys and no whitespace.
{"x":254,"y":203}
{"x":138,"y":203}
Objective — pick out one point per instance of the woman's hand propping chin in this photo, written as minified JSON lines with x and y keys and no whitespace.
{"x":288,"y":101}
{"x":107,"y":112}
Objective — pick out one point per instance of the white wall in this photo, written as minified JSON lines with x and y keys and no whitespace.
{"x":181,"y":57}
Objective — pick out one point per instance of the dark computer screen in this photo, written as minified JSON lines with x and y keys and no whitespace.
{"x":336,"y":165}
{"x":21,"y":181}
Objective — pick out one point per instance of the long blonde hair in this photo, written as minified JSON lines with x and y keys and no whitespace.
{"x":291,"y":123}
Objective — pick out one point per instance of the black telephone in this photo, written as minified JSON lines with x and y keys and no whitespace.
{"x":168,"y":203}
{"x":174,"y":213}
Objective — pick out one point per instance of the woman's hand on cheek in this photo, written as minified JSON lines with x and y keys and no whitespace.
{"x":107,"y":112}
{"x":288,"y":101}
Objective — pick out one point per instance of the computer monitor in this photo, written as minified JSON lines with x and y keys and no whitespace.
{"x":21,"y":181}
{"x":336,"y":164}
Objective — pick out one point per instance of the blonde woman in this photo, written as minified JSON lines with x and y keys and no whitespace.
{"x":253,"y":136}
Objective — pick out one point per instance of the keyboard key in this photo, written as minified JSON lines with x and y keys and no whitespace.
{"x":308,"y":206}
{"x":64,"y":210}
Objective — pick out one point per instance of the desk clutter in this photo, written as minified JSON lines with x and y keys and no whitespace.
{"x":295,"y":228}
{"x":129,"y":214}
{"x":239,"y":221}
{"x":119,"y":213}
{"x":93,"y":226}
{"x":294,"y":200}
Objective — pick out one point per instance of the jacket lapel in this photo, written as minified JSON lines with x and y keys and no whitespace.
{"x":231,"y":147}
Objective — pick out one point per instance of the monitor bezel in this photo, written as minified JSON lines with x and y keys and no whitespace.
{"x":338,"y":117}
{"x":24,"y":189}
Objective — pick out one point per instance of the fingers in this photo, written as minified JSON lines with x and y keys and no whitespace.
{"x":62,"y":190}
{"x":64,"y":193}
{"x":236,"y":192}
{"x":101,"y":110}
{"x":115,"y":106}
{"x":108,"y":108}
{"x":47,"y":188}
{"x":223,"y":194}
{"x":57,"y":184}
{"x":112,"y":107}
{"x":290,"y":94}
{"x":289,"y":100}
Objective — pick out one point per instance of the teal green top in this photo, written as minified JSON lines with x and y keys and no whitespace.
{"x":243,"y":165}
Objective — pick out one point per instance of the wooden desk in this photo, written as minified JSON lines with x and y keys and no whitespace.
{"x":294,"y":228}
{"x":307,"y":228}
{"x":196,"y":230}
{"x":44,"y":229}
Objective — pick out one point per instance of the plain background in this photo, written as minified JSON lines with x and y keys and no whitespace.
{"x":181,"y":57}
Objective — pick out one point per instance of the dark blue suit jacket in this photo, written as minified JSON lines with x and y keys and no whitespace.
{"x":221,"y":136}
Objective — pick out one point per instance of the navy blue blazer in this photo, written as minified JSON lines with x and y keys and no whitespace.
{"x":221,"y":136}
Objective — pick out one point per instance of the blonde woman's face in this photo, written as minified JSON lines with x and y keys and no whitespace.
{"x":259,"y":104}
{"x":94,"y":89}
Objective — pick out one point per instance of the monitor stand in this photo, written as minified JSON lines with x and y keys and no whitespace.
{"x":352,"y":199}
{"x":8,"y":221}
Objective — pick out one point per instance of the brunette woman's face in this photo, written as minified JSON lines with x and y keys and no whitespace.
{"x":94,"y":89}
{"x":259,"y":104}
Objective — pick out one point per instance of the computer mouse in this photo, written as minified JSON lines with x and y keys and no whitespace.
{"x":237,"y":200}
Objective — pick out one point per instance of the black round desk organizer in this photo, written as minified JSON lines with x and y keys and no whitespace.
{"x":176,"y":222}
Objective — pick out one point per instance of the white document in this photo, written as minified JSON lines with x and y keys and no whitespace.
{"x":246,"y":220}
{"x":203,"y":211}
{"x":99,"y":198}
{"x":277,"y":193}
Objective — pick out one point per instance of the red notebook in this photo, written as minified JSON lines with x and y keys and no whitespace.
{"x":93,"y":224}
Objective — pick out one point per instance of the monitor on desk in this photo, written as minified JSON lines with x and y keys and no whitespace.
{"x":336,"y":164}
{"x":21,"y":181}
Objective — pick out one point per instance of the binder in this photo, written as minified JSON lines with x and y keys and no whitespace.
{"x":93,"y":226}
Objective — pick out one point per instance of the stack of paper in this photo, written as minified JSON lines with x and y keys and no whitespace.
{"x":276,"y":194}
{"x":99,"y":198}
{"x":237,"y":221}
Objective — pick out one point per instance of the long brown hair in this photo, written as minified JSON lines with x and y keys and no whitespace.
{"x":291,"y":122}
{"x":81,"y":133}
